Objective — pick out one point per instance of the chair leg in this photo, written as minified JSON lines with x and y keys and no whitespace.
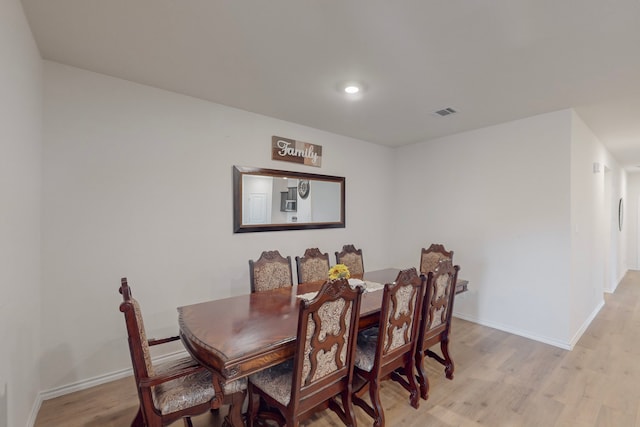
{"x":374,"y":395}
{"x":448,"y":365}
{"x":414,"y":399}
{"x":347,"y":405}
{"x":138,"y":421}
{"x":345,"y":412}
{"x":408,"y":382}
{"x":423,"y":380}
{"x":357,"y":399}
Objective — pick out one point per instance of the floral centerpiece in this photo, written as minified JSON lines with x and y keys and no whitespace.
{"x":339,"y":271}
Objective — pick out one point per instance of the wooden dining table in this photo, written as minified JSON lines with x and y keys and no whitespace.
{"x":238,"y":336}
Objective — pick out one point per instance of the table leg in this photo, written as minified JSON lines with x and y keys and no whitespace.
{"x":234,"y":417}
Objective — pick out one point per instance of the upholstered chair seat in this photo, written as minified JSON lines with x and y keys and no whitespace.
{"x":232,"y":387}
{"x":276,"y":381}
{"x":190,"y":390}
{"x":183,"y":392}
{"x":365,"y":355}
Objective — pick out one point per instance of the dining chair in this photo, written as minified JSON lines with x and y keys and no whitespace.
{"x":313,"y":266}
{"x":430,"y":257}
{"x":171,"y":390}
{"x":392,"y":349}
{"x":270,"y":271}
{"x":352,"y":258}
{"x":435,"y":324}
{"x":322,"y":366}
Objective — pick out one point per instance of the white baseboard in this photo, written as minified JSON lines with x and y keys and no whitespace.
{"x":92,"y":382}
{"x":511,"y":330}
{"x":618,"y":282}
{"x":615,"y":286}
{"x":35,"y":408}
{"x":586,"y":324}
{"x":561,"y":344}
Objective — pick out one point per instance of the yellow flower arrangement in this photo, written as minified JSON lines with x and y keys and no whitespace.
{"x":339,"y":271}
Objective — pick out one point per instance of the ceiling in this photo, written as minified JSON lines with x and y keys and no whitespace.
{"x":492,"y":61}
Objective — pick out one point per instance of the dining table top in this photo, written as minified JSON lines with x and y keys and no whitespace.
{"x":240,"y":335}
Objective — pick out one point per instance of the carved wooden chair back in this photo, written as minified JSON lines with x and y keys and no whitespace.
{"x":175,"y":390}
{"x":435,"y":325}
{"x":429,"y":258}
{"x":138,"y":343}
{"x":352,"y":258}
{"x":395,"y":344}
{"x":322,"y":367}
{"x":270,"y":271}
{"x":327,"y":324}
{"x":313,"y":266}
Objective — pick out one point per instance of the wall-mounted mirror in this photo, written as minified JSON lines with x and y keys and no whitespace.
{"x":270,"y":200}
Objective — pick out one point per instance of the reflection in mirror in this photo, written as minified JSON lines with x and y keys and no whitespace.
{"x":269,"y":199}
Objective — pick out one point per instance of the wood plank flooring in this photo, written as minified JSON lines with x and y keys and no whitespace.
{"x":500,"y":380}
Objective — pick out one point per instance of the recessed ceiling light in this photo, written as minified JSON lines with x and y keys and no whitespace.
{"x":352,"y":89}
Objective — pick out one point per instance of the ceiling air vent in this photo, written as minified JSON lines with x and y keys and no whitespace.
{"x":445,"y":112}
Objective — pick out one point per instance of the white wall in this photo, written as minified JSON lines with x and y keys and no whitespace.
{"x":590,"y":224}
{"x":499,"y":197}
{"x":20,"y":192}
{"x":631,"y":223}
{"x":628,"y":237}
{"x":595,"y":208}
{"x":530,"y":222}
{"x":137,"y":183}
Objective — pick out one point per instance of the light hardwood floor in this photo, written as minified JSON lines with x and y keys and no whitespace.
{"x":500,"y":380}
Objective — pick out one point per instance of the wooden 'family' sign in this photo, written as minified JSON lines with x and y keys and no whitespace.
{"x":290,"y":150}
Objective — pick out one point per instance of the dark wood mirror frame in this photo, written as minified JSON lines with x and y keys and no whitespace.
{"x":239,"y":227}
